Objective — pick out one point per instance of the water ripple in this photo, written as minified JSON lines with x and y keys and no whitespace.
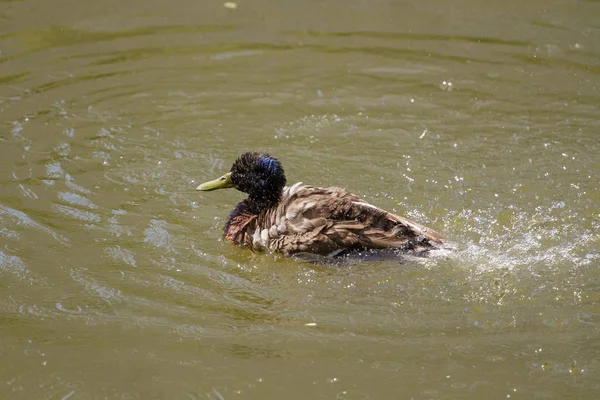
{"x":157,"y":234}
{"x":74,"y":213}
{"x":14,"y":265}
{"x":119,"y":254}
{"x":26,"y":220}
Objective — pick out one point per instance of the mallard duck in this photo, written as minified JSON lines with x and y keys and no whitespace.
{"x":307,"y":219}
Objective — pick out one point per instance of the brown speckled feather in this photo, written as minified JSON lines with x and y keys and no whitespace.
{"x":324,"y":220}
{"x":238,"y":227}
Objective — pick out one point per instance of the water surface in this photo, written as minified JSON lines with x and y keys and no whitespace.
{"x":477,"y":119}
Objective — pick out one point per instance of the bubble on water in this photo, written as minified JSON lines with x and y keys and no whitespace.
{"x":447,"y":86}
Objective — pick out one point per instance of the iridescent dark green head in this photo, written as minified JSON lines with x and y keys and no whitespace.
{"x":258,"y":174}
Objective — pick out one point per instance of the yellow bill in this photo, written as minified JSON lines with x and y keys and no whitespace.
{"x":223,"y":182}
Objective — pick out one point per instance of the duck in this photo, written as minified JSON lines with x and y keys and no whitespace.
{"x":326,"y":221}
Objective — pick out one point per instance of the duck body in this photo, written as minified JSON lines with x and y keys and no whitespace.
{"x":307,"y":219}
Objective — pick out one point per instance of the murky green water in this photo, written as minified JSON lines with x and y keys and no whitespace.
{"x":478,"y":119}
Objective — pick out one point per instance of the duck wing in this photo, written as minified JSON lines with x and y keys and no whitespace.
{"x":326,"y":220}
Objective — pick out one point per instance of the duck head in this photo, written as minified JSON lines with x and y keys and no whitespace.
{"x":259,"y":175}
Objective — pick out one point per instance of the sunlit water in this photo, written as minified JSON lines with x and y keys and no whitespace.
{"x":479,"y":120}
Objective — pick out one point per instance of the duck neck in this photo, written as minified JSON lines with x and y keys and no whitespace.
{"x":264,"y":201}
